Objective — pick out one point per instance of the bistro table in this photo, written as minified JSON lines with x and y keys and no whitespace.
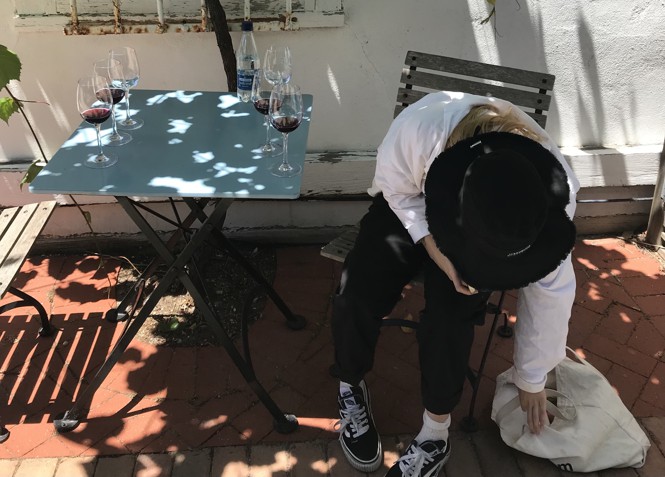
{"x":200,"y":147}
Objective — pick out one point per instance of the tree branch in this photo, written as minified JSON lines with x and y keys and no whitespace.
{"x":224,"y":42}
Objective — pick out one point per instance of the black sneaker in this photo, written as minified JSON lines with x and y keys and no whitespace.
{"x":421,"y":460}
{"x":357,"y":433}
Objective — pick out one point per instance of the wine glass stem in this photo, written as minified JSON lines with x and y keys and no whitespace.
{"x":267,"y":131}
{"x":99,"y":139}
{"x":129,"y":115}
{"x":285,"y":157}
{"x":115,"y":128}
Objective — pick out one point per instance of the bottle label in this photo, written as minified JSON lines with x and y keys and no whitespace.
{"x":245,"y":79}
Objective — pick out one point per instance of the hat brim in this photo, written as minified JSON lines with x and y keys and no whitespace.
{"x":476,"y":267}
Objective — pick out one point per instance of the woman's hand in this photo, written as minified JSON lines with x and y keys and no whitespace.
{"x":534,"y":404}
{"x":447,"y":266}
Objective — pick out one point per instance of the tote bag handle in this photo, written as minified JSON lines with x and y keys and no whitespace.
{"x":573,"y":354}
{"x":567,"y":414}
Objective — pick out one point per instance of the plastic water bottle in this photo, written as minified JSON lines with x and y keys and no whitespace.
{"x":247,"y":61}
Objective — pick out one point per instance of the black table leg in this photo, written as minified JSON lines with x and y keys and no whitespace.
{"x":295,"y":322}
{"x":126,"y":307}
{"x":283,"y":423}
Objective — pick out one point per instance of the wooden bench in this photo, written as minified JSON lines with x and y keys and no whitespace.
{"x":425,"y":73}
{"x":19,"y":228}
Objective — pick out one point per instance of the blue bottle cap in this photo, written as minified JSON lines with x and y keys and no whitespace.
{"x":247,"y":25}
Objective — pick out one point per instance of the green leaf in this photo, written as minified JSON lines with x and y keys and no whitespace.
{"x":7,"y":107}
{"x":88,"y":217}
{"x":31,"y":173}
{"x":10,"y":66}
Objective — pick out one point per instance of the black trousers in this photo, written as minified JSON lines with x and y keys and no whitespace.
{"x":384,"y":260}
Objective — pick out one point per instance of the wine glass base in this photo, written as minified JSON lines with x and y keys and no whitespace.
{"x":288,"y":170}
{"x":273,"y":149}
{"x":100,"y":161}
{"x":116,"y":139}
{"x":130,"y":124}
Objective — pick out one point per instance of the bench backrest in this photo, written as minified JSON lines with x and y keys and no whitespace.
{"x":424,"y":73}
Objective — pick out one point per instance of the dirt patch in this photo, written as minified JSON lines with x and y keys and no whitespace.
{"x":655,"y":252}
{"x":175,"y":320}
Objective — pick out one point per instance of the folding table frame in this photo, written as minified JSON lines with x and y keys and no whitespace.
{"x":182,"y":266}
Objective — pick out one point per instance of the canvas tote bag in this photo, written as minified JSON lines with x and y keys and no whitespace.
{"x":592,"y":429}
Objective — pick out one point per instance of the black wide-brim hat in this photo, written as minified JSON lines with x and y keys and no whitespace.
{"x":495,"y":206}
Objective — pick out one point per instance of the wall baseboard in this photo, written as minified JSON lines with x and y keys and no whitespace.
{"x":616,"y":186}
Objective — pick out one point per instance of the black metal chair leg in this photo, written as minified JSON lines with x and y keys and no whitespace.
{"x":27,"y":300}
{"x":470,"y":423}
{"x":505,"y":330}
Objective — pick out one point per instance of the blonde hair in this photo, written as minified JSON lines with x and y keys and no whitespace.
{"x":487,"y":118}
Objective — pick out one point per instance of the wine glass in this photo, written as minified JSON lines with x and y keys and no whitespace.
{"x":112,"y":71}
{"x":285,"y":113}
{"x":130,"y":65}
{"x":261,"y":98}
{"x":95,"y":102}
{"x":277,"y":65}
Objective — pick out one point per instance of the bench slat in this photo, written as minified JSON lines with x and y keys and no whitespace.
{"x":519,"y":97}
{"x":20,"y":228}
{"x":524,"y":88}
{"x":447,"y":65}
{"x":6,"y":217}
{"x":338,"y":248}
{"x":523,"y":99}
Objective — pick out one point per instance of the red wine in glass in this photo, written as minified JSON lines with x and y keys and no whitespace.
{"x":112,"y":70}
{"x":285,"y":124}
{"x":285,"y":112}
{"x":117,"y":94}
{"x":95,"y":104}
{"x":261,"y":100}
{"x":96,"y":115}
{"x":261,"y":105}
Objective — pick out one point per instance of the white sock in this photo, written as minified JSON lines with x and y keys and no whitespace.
{"x":432,"y":430}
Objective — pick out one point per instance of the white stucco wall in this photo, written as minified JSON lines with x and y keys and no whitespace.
{"x":608,"y":57}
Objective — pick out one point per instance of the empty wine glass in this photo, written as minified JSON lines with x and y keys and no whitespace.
{"x":112,"y":71}
{"x":277,"y":65}
{"x":285,"y":113}
{"x":95,"y":102}
{"x":260,"y":97}
{"x":130,"y":66}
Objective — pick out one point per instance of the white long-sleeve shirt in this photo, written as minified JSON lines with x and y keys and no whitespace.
{"x":415,"y":138}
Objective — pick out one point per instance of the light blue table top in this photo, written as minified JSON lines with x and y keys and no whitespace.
{"x":192,"y":144}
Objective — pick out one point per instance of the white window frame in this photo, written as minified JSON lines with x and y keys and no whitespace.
{"x":170,"y":16}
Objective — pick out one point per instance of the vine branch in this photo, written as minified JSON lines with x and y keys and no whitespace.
{"x":20,"y":108}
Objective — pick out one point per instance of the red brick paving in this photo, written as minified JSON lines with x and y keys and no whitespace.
{"x":172,"y":399}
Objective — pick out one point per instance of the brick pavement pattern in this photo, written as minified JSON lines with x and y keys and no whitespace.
{"x":481,"y":454}
{"x":168,"y":411}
